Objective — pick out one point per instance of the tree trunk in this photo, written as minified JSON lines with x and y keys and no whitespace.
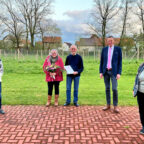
{"x":32,"y":41}
{"x":27,"y":41}
{"x":103,"y":33}
{"x":124,"y":23}
{"x":42,"y":40}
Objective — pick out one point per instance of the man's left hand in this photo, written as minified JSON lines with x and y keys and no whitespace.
{"x":118,"y":76}
{"x":75,"y":73}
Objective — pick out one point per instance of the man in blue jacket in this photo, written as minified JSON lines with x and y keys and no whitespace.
{"x":76,"y":62}
{"x":110,"y":68}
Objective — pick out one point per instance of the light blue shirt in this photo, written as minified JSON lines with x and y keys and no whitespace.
{"x":112,"y":49}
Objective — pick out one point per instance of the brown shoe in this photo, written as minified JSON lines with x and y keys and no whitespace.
{"x":49,"y":101}
{"x":116,"y":109}
{"x":106,"y":108}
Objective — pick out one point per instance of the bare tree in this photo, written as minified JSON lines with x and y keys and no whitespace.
{"x":126,"y":7}
{"x":104,"y":11}
{"x":33,"y":12}
{"x":22,"y":6}
{"x":11,"y":23}
{"x":140,"y":13}
{"x":47,"y":28}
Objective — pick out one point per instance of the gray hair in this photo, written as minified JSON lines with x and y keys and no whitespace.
{"x":50,"y":53}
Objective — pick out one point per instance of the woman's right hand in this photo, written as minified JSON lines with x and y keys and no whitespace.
{"x":52,"y":74}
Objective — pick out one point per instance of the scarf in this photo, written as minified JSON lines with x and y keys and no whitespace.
{"x":53,"y":60}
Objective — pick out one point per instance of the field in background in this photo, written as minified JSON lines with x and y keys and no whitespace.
{"x":24,"y":82}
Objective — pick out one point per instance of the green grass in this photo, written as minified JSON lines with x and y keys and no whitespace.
{"x":24,"y":83}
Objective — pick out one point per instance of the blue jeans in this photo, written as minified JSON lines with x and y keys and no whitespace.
{"x":0,"y":95}
{"x":108,"y":75}
{"x":76,"y":86}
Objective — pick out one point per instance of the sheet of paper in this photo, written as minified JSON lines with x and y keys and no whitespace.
{"x":69,"y":69}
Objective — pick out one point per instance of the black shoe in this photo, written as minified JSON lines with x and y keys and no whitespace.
{"x":66,"y":104}
{"x":1,"y":111}
{"x":142,"y":131}
{"x":76,"y":104}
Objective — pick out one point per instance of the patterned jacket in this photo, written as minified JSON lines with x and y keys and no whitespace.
{"x":136,"y":85}
{"x":59,"y":75}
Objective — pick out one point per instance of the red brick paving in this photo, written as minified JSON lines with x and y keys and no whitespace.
{"x":69,"y":125}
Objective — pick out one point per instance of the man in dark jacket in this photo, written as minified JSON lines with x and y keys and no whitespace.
{"x":76,"y":63}
{"x":110,"y":68}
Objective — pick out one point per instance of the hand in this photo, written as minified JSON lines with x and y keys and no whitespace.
{"x":75,"y":73}
{"x":133,"y":93}
{"x":101,"y":75}
{"x":52,"y":74}
{"x":118,"y":76}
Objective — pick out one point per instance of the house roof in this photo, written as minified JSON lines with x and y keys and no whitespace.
{"x":52,"y":39}
{"x":23,"y":41}
{"x":94,"y":41}
{"x":69,"y":44}
{"x":39,"y":42}
{"x":77,"y":43}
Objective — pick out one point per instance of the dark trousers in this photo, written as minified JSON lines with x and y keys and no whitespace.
{"x":140,"y":99}
{"x":0,"y":95}
{"x":107,"y":76}
{"x":50,"y":87}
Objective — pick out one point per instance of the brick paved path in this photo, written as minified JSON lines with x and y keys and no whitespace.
{"x":85,"y":124}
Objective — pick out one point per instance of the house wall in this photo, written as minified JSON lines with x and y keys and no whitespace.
{"x":65,"y":47}
{"x":89,"y":48}
{"x":52,"y":45}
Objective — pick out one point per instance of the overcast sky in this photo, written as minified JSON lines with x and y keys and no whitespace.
{"x":71,"y":16}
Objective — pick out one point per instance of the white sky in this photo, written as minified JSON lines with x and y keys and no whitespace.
{"x":71,"y":17}
{"x":62,"y":6}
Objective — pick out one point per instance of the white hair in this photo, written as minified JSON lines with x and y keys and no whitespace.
{"x":73,"y":46}
{"x":53,"y":51}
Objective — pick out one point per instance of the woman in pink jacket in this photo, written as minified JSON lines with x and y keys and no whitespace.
{"x":53,"y":67}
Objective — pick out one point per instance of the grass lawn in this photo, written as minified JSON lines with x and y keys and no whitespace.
{"x":24,"y":83}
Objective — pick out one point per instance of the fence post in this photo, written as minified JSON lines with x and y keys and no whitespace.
{"x":27,"y":53}
{"x":18,"y":54}
{"x":41,"y":54}
{"x":138,"y":52}
{"x":15,"y":53}
{"x":37,"y":55}
{"x":94,"y":54}
{"x":83,"y":54}
{"x":11,"y":52}
{"x":4,"y":53}
{"x":62,"y":53}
